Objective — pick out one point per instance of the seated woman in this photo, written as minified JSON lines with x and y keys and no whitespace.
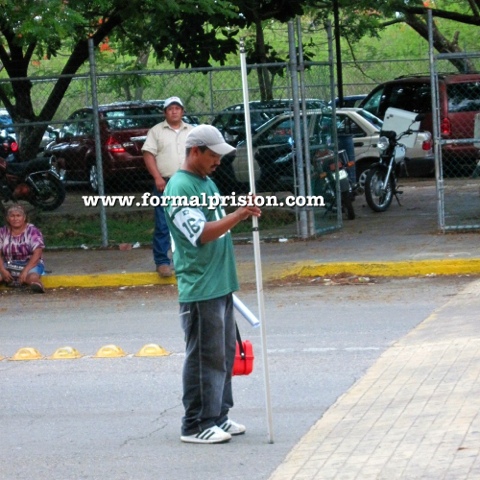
{"x":21,"y":248}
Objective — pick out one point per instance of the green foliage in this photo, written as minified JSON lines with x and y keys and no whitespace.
{"x":71,"y":231}
{"x":194,"y":33}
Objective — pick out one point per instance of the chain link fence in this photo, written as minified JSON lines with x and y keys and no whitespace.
{"x":455,"y":103}
{"x":130,"y":103}
{"x":126,"y":105}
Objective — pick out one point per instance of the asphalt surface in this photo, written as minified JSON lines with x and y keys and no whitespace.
{"x":414,"y":414}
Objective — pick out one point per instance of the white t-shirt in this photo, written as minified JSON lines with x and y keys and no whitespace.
{"x":168,"y":146}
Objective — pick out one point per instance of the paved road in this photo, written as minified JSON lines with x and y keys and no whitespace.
{"x":93,"y":418}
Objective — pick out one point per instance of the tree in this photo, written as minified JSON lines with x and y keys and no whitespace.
{"x":364,"y":17}
{"x":414,"y":14}
{"x":255,"y":13}
{"x":32,"y":29}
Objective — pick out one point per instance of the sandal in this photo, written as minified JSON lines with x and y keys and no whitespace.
{"x":37,"y":287}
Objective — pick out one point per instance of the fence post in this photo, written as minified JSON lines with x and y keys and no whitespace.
{"x":98,"y":145}
{"x":298,"y":136}
{"x":308,"y":179}
{"x":437,"y":146}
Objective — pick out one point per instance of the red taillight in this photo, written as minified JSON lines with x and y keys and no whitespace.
{"x":14,"y":147}
{"x":427,"y":145}
{"x":114,"y":146}
{"x":446,"y":127}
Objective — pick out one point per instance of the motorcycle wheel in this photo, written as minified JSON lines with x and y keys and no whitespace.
{"x":51,"y":192}
{"x":347,"y":205}
{"x":378,"y":195}
{"x":329,"y":198}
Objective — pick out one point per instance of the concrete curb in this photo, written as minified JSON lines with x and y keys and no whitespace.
{"x":106,"y":280}
{"x":458,"y":266}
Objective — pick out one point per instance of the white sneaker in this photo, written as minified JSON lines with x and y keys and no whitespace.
{"x":233,"y":428}
{"x":210,"y":435}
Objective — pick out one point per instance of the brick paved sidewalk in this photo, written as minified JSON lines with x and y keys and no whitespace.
{"x":414,"y":415}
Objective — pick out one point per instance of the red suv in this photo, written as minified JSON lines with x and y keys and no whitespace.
{"x":123,"y":129}
{"x":459,"y":96}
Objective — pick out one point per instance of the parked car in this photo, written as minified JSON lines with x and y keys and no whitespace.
{"x":7,"y":130}
{"x":231,"y":120}
{"x":349,"y":100}
{"x":275,"y":159}
{"x":123,"y":129}
{"x":5,"y":121}
{"x":8,"y":146}
{"x":459,"y":96}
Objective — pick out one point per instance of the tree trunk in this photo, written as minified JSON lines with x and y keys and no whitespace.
{"x":263,"y":74}
{"x":440,"y":43}
{"x":142,"y":60}
{"x":30,"y":136}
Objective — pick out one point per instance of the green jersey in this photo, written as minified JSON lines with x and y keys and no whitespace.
{"x":204,"y":271}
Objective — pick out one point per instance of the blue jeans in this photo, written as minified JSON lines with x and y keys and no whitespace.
{"x":161,"y":235}
{"x":210,"y":340}
{"x":39,"y":269}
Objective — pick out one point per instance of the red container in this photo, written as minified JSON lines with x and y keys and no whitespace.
{"x":243,"y":364}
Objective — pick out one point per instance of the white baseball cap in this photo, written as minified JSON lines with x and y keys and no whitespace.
{"x":171,"y":101}
{"x":208,"y":136}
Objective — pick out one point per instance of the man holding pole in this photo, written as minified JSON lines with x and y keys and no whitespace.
{"x":206,"y":276}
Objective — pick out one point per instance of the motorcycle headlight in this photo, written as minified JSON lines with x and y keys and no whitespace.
{"x":382,"y":143}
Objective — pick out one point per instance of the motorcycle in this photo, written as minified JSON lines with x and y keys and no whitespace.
{"x":327,"y":168}
{"x":381,"y":183}
{"x":36,"y":181}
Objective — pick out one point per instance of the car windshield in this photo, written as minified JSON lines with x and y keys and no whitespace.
{"x":276,"y":132}
{"x":131,"y":118}
{"x":464,"y":97}
{"x":415,"y":97}
{"x":375,"y":121}
{"x":5,"y":120}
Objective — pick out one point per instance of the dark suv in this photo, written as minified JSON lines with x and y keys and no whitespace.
{"x":459,"y":96}
{"x":123,"y":129}
{"x":231,"y":120}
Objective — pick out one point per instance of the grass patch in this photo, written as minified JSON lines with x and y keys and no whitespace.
{"x":72,"y":231}
{"x":271,"y":219}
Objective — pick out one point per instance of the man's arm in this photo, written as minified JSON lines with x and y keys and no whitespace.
{"x":151,"y":164}
{"x":217,"y":228}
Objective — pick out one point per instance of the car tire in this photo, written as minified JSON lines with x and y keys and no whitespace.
{"x":93,"y":177}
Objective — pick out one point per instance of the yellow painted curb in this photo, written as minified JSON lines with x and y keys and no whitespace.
{"x":458,"y":266}
{"x":106,"y":280}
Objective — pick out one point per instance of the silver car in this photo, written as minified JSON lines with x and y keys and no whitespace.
{"x":274,"y":157}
